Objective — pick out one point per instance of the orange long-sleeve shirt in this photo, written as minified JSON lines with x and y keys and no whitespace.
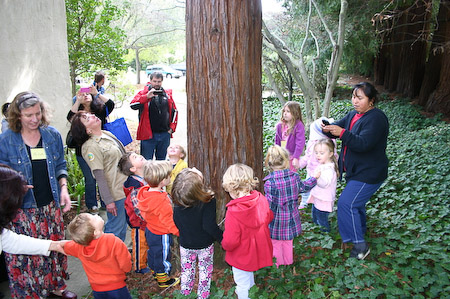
{"x":156,"y":208}
{"x":105,"y":261}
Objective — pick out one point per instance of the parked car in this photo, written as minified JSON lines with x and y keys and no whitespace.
{"x":180,"y":67}
{"x":167,"y":71}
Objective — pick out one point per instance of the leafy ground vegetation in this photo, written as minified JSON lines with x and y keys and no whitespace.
{"x":408,"y":224}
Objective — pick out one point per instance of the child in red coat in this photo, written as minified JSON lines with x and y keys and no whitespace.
{"x":246,"y":238}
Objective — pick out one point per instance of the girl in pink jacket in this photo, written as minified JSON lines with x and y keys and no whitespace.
{"x":323,"y":194}
{"x":246,"y":239}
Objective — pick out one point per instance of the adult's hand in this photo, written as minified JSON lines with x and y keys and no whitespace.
{"x":58,"y":246}
{"x":333,"y":129}
{"x":150,"y":93}
{"x":65,"y":199}
{"x":111,"y":208}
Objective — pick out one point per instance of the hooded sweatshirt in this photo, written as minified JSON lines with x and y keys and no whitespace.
{"x":131,"y":188}
{"x":246,"y":238}
{"x":105,"y":261}
{"x":156,"y":209}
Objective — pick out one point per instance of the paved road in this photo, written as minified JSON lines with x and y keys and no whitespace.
{"x":78,"y":282}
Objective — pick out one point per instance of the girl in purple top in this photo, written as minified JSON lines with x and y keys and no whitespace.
{"x":282,"y":188}
{"x":290,"y":133}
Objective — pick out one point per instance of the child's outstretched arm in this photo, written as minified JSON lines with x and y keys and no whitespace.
{"x":307,"y":185}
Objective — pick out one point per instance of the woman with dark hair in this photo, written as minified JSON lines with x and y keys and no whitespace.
{"x":35,"y":149}
{"x":364,"y":132}
{"x":12,"y":188}
{"x":102,"y":152}
{"x":98,"y":104}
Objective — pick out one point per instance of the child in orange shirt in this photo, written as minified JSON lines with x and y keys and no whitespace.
{"x":156,"y":209}
{"x":105,"y":257}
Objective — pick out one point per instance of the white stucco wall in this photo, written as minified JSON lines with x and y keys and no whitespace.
{"x":34,"y":55}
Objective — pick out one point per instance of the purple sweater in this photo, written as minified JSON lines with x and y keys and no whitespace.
{"x":296,"y":139}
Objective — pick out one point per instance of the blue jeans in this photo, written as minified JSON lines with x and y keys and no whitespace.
{"x":117,"y":225}
{"x":321,"y":218}
{"x":156,"y":146}
{"x":90,"y":184}
{"x":121,"y":293}
{"x":158,"y":253}
{"x":351,"y":213}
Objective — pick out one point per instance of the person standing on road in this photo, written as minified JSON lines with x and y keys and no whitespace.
{"x":158,"y":117}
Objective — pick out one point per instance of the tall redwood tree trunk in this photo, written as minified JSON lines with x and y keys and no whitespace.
{"x":224,"y":45}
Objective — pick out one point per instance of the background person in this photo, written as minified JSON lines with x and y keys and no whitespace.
{"x":101,"y":107}
{"x":158,"y":118}
{"x":5,"y":125}
{"x":102,"y":151}
{"x":35,"y":149}
{"x":364,"y":132}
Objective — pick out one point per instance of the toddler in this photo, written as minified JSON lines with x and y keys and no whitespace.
{"x":324,"y":194}
{"x":246,"y":238}
{"x":105,"y":257}
{"x":132,"y":165}
{"x":282,"y":188}
{"x":194,"y":214}
{"x":290,"y":133}
{"x":176,"y":154}
{"x":156,"y":209}
{"x":309,"y":159}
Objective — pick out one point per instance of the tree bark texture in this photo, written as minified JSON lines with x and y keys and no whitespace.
{"x":224,"y":46}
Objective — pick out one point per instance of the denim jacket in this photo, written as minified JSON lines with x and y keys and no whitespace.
{"x":13,"y":152}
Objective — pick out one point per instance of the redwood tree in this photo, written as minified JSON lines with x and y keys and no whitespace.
{"x":223,"y":86}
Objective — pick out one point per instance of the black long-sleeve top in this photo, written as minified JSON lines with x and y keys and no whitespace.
{"x":197,"y":225}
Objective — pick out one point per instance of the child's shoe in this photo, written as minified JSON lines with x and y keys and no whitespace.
{"x":360,"y":251}
{"x":164,"y":281}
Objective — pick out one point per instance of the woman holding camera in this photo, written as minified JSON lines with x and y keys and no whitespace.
{"x":364,"y":132}
{"x":98,"y":104}
{"x":35,"y":149}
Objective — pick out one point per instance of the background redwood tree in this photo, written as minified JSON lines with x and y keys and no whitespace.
{"x":223,"y":86}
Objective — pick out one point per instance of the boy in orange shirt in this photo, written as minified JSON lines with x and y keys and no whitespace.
{"x":105,"y":257}
{"x":156,"y":209}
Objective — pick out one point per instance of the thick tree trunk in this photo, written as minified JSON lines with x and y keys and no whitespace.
{"x":224,"y":45}
{"x":434,"y":63}
{"x":413,"y":52}
{"x":439,"y":100}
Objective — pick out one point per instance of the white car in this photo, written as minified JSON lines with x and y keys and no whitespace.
{"x":167,"y":71}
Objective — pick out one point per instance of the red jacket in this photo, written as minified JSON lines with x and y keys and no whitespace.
{"x":246,"y":238}
{"x":156,"y":208}
{"x":105,"y":261}
{"x":140,"y":102}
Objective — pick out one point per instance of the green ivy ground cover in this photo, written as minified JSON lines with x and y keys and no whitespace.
{"x":408,"y":223}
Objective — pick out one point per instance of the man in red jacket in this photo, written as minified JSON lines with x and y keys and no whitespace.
{"x":158,"y":117}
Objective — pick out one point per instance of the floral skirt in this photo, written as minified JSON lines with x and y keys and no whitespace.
{"x":36,"y":276}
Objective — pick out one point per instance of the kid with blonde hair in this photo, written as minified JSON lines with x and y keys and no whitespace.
{"x":246,"y":238}
{"x":156,"y":209}
{"x":290,"y":133}
{"x":324,"y":194}
{"x":105,"y":257}
{"x":176,"y":154}
{"x":282,"y":188}
{"x":194,"y":214}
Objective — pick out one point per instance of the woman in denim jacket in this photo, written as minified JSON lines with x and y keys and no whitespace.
{"x":35,"y":149}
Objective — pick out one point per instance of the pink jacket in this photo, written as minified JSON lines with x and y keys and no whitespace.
{"x":246,"y":238}
{"x":323,"y":194}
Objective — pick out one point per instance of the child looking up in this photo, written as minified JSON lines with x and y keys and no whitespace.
{"x":290,"y":133}
{"x":246,"y":238}
{"x":194,"y":214}
{"x":324,"y":194}
{"x":132,"y":165}
{"x":176,"y":154}
{"x":309,"y":159}
{"x":282,"y":188}
{"x":156,"y":209}
{"x":105,"y":258}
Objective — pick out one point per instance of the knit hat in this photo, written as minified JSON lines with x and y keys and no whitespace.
{"x":315,"y":129}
